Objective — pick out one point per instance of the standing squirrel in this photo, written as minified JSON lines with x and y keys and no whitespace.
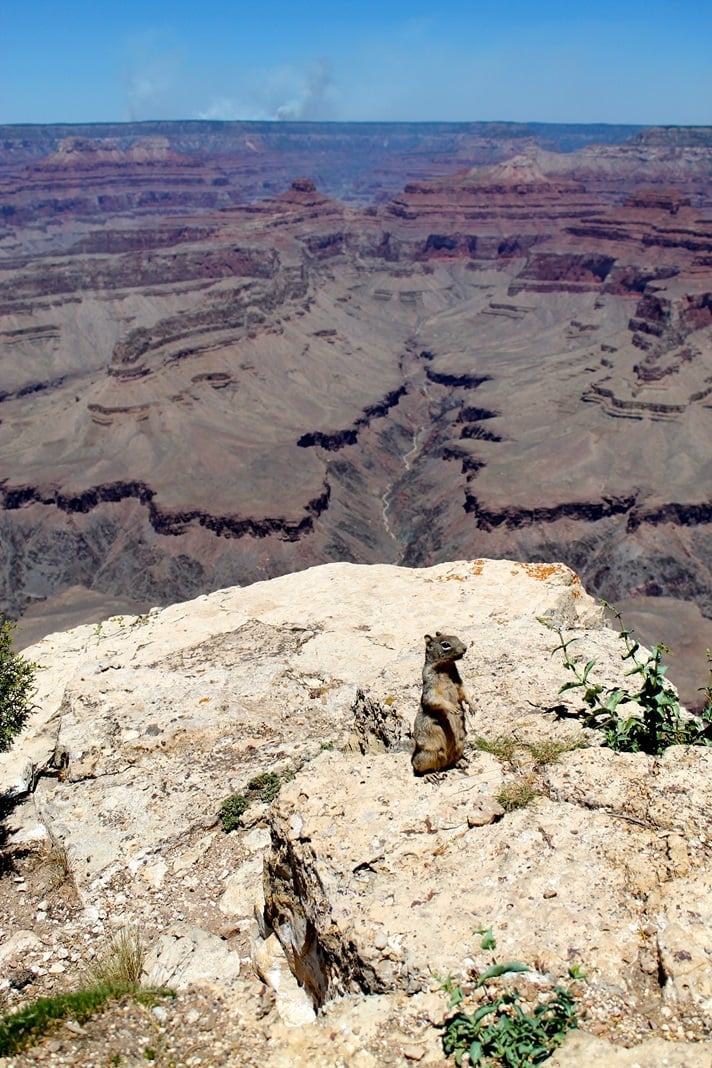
{"x":439,"y":729}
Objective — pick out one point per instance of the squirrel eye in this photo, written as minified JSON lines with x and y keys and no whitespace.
{"x":446,"y":645}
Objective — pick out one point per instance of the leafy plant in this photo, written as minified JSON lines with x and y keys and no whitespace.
{"x":658,"y":720}
{"x":499,"y":1031}
{"x":17,"y":687}
{"x":231,"y":810}
{"x":264,"y":787}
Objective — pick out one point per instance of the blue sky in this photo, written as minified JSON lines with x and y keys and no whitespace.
{"x":629,"y":62}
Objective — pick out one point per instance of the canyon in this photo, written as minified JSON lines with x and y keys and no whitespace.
{"x":231,"y":351}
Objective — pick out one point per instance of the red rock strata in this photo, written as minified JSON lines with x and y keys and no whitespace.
{"x":515,"y":361}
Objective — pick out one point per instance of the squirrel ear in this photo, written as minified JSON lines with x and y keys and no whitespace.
{"x":428,"y":637}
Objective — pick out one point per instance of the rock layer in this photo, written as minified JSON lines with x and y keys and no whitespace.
{"x":511,"y":361}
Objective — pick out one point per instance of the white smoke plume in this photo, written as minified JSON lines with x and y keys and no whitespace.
{"x":282,"y":93}
{"x":315,"y":100}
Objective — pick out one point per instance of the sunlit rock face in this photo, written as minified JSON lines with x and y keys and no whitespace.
{"x":348,"y":882}
{"x":220,"y":363}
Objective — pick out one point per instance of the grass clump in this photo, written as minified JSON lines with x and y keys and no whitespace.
{"x":658,"y":720}
{"x":17,"y":687}
{"x":516,"y":794}
{"x":549,"y":750}
{"x":57,"y":865}
{"x":500,"y":1031}
{"x":502,"y":746}
{"x":122,"y":962}
{"x":28,"y":1025}
{"x":116,"y":974}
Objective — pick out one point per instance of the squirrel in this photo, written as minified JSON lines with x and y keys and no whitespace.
{"x":439,"y":729}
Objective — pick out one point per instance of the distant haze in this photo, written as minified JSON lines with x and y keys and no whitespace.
{"x":638,"y":62}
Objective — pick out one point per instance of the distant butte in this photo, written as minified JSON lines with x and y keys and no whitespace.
{"x":226,"y":362}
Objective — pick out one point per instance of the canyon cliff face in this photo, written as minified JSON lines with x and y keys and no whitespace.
{"x":200,"y":387}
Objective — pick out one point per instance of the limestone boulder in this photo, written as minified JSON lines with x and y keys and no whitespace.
{"x":296,"y":696}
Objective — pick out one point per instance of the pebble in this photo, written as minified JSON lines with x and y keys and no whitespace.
{"x":74,"y":1027}
{"x":380,"y":941}
{"x":413,"y":1053}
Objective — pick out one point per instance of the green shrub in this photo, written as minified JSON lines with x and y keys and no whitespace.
{"x":231,"y":810}
{"x":499,"y":1031}
{"x":17,"y":688}
{"x":264,"y":787}
{"x":657,"y":722}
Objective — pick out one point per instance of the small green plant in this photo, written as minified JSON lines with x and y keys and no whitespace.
{"x":502,"y":746}
{"x":264,"y":787}
{"x":549,"y":750}
{"x":27,"y":1026}
{"x":499,"y":1031}
{"x":657,"y":721}
{"x":231,"y":810}
{"x":17,"y":687}
{"x":516,"y":795}
{"x":488,"y":940}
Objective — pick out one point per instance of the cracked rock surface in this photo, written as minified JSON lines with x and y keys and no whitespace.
{"x":312,"y":932}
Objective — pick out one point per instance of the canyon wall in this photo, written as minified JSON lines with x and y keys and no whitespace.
{"x":204,"y":386}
